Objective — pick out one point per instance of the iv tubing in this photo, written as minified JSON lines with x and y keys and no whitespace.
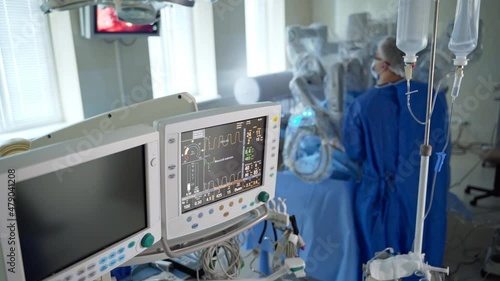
{"x":426,"y":149}
{"x":438,"y":89}
{"x":408,"y":105}
{"x":442,"y":151}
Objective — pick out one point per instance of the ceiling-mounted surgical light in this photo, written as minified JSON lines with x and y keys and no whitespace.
{"x":133,"y":11}
{"x":187,"y":3}
{"x":63,"y":5}
{"x":48,"y":6}
{"x":137,"y":12}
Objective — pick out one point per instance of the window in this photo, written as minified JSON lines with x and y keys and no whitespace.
{"x":183,"y":58}
{"x":29,"y":95}
{"x":265,"y":36}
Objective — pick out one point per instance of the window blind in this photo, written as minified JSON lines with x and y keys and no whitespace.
{"x":29,"y":94}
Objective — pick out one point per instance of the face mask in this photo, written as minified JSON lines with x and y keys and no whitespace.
{"x":374,"y":73}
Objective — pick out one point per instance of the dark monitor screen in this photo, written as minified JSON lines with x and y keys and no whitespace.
{"x":106,"y":21}
{"x":219,"y":162}
{"x":71,"y":214}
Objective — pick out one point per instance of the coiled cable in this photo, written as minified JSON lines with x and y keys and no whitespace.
{"x":222,"y":261}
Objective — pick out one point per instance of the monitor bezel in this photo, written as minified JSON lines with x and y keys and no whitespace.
{"x":173,"y":218}
{"x":55,"y":157}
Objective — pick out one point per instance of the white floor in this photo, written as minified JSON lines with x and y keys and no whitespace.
{"x":469,"y":239}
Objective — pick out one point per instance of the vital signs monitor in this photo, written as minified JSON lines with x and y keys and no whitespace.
{"x":217,"y":166}
{"x":77,"y":209}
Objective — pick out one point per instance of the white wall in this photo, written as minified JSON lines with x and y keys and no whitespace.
{"x":323,"y":11}
{"x":298,"y":12}
{"x":230,"y":42}
{"x":99,"y":75}
{"x":379,"y":9}
{"x":230,"y":46}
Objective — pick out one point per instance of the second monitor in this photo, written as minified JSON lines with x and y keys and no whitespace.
{"x":217,"y":165}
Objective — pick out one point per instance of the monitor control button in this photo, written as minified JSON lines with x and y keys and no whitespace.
{"x":121,"y":258}
{"x":148,"y":240}
{"x":103,"y":268}
{"x":263,"y":196}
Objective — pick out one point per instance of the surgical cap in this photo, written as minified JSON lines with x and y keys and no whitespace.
{"x":391,"y":54}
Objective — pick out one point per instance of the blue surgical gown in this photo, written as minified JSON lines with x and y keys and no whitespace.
{"x":380,"y":134}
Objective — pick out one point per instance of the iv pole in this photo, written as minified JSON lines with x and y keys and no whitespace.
{"x":426,"y":148}
{"x":415,"y":261}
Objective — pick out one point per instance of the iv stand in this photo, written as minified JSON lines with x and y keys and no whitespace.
{"x":425,"y":154}
{"x":426,"y":148}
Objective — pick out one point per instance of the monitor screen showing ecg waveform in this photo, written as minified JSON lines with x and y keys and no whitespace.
{"x":219,"y":162}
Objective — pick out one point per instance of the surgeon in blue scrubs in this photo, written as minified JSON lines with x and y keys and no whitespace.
{"x":380,"y":134}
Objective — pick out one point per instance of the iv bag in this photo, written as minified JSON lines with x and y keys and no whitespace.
{"x":413,"y":27}
{"x":465,"y":30}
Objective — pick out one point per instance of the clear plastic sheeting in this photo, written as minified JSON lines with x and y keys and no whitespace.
{"x":312,"y":146}
{"x":313,"y":151}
